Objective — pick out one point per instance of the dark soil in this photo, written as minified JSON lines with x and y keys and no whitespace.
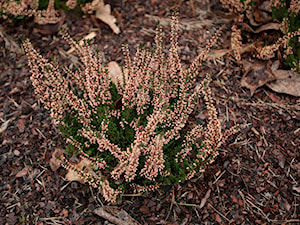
{"x":255,"y":179}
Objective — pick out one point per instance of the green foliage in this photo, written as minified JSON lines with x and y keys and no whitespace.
{"x":293,"y":24}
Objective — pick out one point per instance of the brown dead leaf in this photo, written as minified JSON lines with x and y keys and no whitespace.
{"x":46,"y":29}
{"x":251,"y":18}
{"x":4,"y":126}
{"x":256,"y":75}
{"x":23,"y":172}
{"x":285,"y":74}
{"x":289,"y":86}
{"x":265,"y":27}
{"x":190,"y":196}
{"x":218,"y":218}
{"x":115,"y":73}
{"x":84,"y":165}
{"x":268,"y":26}
{"x":21,"y":125}
{"x":103,"y":12}
{"x":204,"y":199}
{"x":90,"y":36}
{"x":234,"y":199}
{"x":55,"y":162}
{"x":287,"y":82}
{"x":261,"y":16}
{"x":144,"y":210}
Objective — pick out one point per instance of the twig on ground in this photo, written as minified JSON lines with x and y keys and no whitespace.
{"x":221,"y":214}
{"x":172,"y":202}
{"x":96,"y":198}
{"x":102,"y":213}
{"x":266,"y":104}
{"x":112,"y":213}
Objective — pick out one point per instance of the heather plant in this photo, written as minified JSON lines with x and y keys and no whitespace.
{"x":49,"y":11}
{"x":285,"y":12}
{"x":132,"y":133}
{"x":44,"y":12}
{"x":288,"y":14}
{"x":52,"y":12}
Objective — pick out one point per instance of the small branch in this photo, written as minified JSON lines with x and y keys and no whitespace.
{"x":221,"y":214}
{"x":101,"y":212}
{"x":115,"y":215}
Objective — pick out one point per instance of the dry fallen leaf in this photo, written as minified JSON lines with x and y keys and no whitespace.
{"x":4,"y":126}
{"x":204,"y":200}
{"x":265,"y":27}
{"x":115,"y":73}
{"x":84,"y":165}
{"x":252,"y":21}
{"x":287,"y":82}
{"x":218,"y":218}
{"x":103,"y":13}
{"x":55,"y":162}
{"x":23,"y":172}
{"x":90,"y":36}
{"x":21,"y":125}
{"x":256,"y":75}
{"x":268,"y":26}
{"x":261,"y":16}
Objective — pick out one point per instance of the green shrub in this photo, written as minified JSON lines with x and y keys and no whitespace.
{"x":133,"y":132}
{"x":288,"y":14}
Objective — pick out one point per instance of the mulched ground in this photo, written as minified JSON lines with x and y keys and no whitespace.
{"x":255,"y":179}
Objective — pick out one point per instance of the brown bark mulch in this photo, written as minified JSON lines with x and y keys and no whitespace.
{"x":255,"y":179}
